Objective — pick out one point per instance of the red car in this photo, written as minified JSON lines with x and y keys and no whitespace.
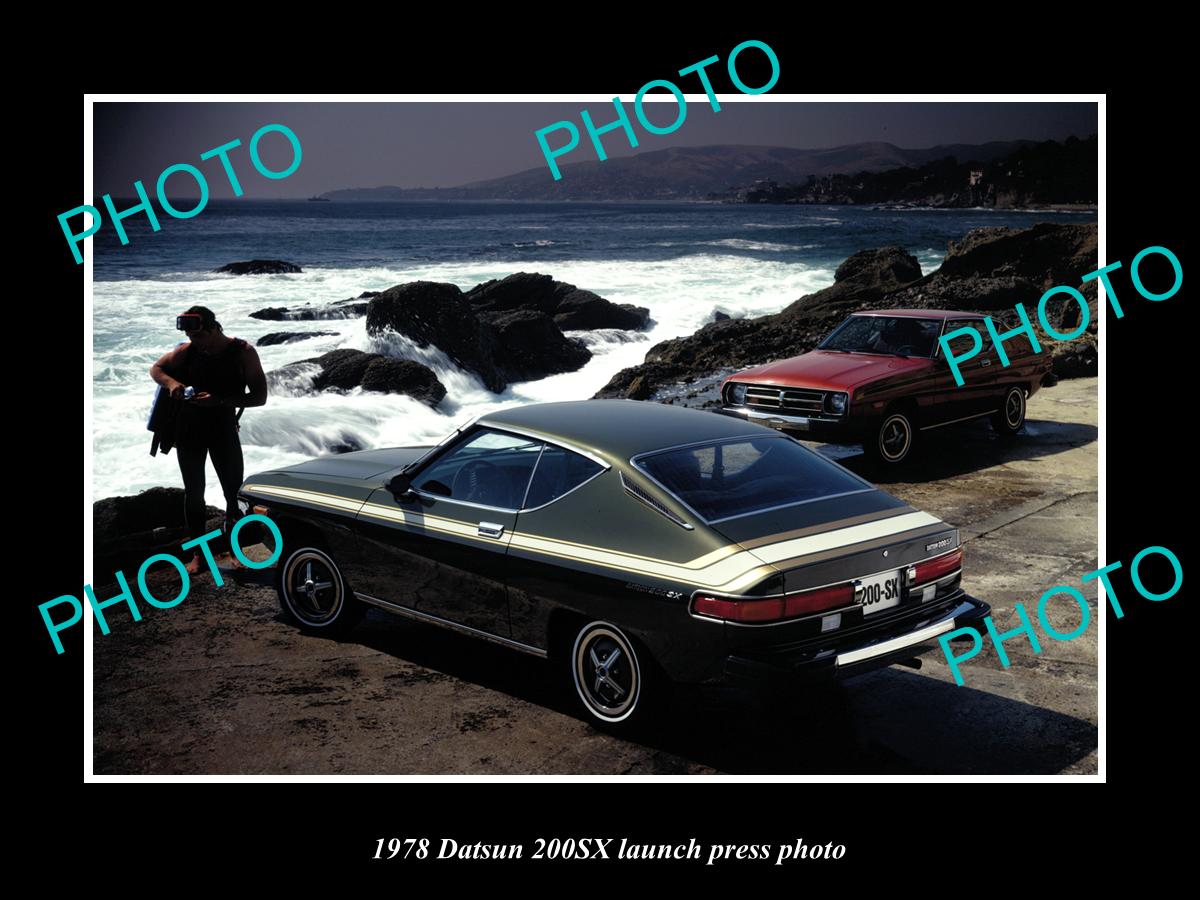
{"x":880,"y":379}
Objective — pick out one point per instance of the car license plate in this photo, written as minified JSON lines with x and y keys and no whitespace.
{"x":879,"y":592}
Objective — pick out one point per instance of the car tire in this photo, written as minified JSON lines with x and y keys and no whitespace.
{"x":1010,"y":418}
{"x":314,"y":595}
{"x":892,"y":442}
{"x":614,"y":677}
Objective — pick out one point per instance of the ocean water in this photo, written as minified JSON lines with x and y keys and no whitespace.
{"x":683,"y":261}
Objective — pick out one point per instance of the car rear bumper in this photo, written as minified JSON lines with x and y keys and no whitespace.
{"x":846,"y":429}
{"x":833,"y":658}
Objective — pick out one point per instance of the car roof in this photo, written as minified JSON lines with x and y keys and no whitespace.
{"x":620,"y":429}
{"x":921,"y":313}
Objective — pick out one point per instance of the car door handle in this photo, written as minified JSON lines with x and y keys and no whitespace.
{"x":490,"y":529}
{"x":985,"y":362}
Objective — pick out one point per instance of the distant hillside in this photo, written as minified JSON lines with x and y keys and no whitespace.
{"x":1044,"y":174}
{"x":684,"y":173}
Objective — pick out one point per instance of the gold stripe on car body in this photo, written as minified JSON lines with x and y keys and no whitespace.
{"x":728,"y":569}
{"x":842,"y":537}
{"x":873,"y":544}
{"x":317,"y":498}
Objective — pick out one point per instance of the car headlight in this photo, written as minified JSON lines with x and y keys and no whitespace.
{"x":835,"y":403}
{"x":737,"y":394}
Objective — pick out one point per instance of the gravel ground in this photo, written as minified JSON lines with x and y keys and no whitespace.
{"x":220,"y":684}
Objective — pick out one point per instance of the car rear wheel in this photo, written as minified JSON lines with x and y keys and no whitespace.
{"x":614,"y":677}
{"x":313,"y":593}
{"x":894,"y":439}
{"x":1010,"y":418}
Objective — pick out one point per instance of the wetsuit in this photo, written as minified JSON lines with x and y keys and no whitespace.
{"x":201,"y":431}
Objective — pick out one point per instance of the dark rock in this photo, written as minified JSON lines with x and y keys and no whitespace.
{"x":532,"y":345}
{"x":719,"y":316}
{"x":638,"y":389}
{"x":573,"y":309}
{"x":1046,"y":254}
{"x":970,"y":293}
{"x":289,"y":337}
{"x":346,"y":369}
{"x":436,"y":313}
{"x":126,"y":530}
{"x":498,"y":341}
{"x":1074,"y":359}
{"x":387,"y":375}
{"x":260,"y":267}
{"x":863,"y":277}
{"x":585,"y":311}
{"x":367,"y":295}
{"x":522,"y":290}
{"x":888,"y":266}
{"x":342,"y":309}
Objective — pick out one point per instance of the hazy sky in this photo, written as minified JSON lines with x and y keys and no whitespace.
{"x":446,"y":144}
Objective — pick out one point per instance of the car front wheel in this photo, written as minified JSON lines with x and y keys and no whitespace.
{"x":313,"y":593}
{"x":1010,"y":418}
{"x":614,"y":683}
{"x":893,"y":441}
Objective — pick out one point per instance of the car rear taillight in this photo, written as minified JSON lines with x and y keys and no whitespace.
{"x":937,"y":568}
{"x":774,"y":609}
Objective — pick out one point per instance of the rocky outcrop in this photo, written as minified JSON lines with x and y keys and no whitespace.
{"x":1046,"y":254}
{"x":260,"y":267}
{"x":290,"y":337}
{"x":346,"y":369}
{"x":501,"y":340}
{"x":533,"y":346}
{"x":572,"y":309}
{"x":585,"y":311}
{"x":341,"y":309}
{"x":989,"y":270}
{"x":126,"y":530}
{"x":433,"y":313}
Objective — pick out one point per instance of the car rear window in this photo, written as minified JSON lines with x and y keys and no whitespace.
{"x":725,"y":479}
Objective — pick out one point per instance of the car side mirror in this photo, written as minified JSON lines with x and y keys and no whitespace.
{"x":401,"y":486}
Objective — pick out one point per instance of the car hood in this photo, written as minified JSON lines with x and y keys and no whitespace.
{"x":830,"y":370}
{"x":359,"y":464}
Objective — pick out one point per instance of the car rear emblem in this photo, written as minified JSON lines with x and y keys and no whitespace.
{"x":885,"y":553}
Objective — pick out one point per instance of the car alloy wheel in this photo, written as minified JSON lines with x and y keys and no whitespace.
{"x":312,"y":589}
{"x":895,"y":438}
{"x":1010,"y":418}
{"x":607,"y":673}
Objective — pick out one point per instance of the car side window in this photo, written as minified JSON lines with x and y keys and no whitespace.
{"x":558,"y":471}
{"x":961,"y":344}
{"x":491,"y":468}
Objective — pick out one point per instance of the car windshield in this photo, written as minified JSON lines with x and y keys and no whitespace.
{"x":892,"y":335}
{"x":725,"y":479}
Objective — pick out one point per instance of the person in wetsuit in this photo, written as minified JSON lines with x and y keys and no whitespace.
{"x":219,"y":369}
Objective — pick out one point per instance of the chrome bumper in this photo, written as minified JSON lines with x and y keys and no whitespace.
{"x":904,"y":641}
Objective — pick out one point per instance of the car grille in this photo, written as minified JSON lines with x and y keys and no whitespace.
{"x":794,"y":400}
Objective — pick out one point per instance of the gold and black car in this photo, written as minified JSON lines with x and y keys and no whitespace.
{"x":633,"y":544}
